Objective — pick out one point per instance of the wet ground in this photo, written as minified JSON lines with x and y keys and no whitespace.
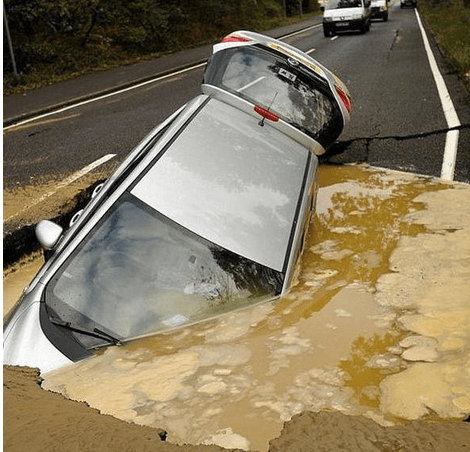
{"x":376,"y":324}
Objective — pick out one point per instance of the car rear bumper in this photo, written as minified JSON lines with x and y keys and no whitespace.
{"x":377,"y":12}
{"x":339,"y":25}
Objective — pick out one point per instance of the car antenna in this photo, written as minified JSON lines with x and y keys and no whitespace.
{"x":261,"y":122}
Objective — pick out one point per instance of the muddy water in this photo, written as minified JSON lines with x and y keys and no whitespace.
{"x":17,"y":277}
{"x":377,"y":323}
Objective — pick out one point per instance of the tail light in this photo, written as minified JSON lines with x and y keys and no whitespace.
{"x":344,"y":98}
{"x":266,"y":114}
{"x":235,"y":38}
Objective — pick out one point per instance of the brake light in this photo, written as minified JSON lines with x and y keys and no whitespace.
{"x":235,"y":38}
{"x":266,"y":114}
{"x":344,"y":98}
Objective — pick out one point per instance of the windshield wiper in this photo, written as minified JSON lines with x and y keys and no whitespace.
{"x":96,"y":332}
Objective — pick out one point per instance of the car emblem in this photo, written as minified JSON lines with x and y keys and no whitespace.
{"x":292,"y":62}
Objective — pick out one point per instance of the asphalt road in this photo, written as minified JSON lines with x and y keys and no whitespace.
{"x":397,"y":118}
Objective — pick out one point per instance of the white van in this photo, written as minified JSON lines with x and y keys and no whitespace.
{"x":342,"y":15}
{"x":380,"y":9}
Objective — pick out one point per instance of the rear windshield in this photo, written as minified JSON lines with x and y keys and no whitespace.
{"x":139,"y":273}
{"x":291,"y":91}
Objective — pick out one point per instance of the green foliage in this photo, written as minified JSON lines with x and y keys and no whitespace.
{"x":450,"y":22}
{"x":55,"y":39}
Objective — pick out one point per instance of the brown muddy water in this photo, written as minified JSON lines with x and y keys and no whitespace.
{"x":377,"y":324}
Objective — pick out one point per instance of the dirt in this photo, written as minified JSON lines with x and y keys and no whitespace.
{"x":39,"y":420}
{"x":34,"y":202}
{"x":385,"y":258}
{"x":328,"y":432}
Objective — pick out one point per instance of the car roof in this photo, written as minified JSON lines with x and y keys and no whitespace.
{"x":237,"y":183}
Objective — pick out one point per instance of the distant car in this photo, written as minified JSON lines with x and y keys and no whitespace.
{"x":342,"y":15}
{"x":207,"y":215}
{"x":412,"y":3}
{"x":379,"y":9}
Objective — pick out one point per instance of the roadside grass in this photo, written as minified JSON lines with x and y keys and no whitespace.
{"x":449,"y":21}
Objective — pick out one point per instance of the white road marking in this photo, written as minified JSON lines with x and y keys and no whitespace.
{"x":114,"y":93}
{"x":450,"y":155}
{"x":47,"y":121}
{"x":308,"y":52}
{"x":299,"y":32}
{"x":334,"y":37}
{"x":65,"y":182}
{"x":452,"y":137}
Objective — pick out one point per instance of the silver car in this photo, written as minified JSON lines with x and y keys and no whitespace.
{"x":207,"y":215}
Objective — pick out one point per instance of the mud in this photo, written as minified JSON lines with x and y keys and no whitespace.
{"x":37,"y":420}
{"x":16,"y":277}
{"x":29,"y":204}
{"x":328,"y":432}
{"x":374,"y":334}
{"x":24,"y":207}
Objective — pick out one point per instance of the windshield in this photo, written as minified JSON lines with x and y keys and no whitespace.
{"x":339,"y":4}
{"x":138,"y":273}
{"x":290,"y":91}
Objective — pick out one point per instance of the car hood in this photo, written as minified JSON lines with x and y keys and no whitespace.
{"x":343,"y":14}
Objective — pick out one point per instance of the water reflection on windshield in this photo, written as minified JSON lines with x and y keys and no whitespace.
{"x":139,"y":273}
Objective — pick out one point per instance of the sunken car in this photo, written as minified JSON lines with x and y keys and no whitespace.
{"x":207,"y":215}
